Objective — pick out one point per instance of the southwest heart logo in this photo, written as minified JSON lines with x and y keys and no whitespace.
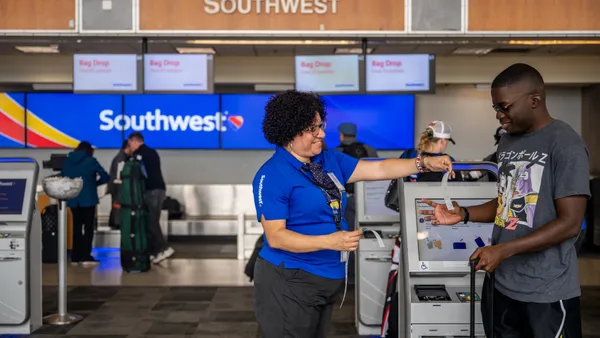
{"x":236,"y":121}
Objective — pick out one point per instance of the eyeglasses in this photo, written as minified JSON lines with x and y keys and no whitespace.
{"x":314,"y":129}
{"x":505,"y":108}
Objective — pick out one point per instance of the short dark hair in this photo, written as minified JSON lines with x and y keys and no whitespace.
{"x":136,"y":135}
{"x":85,"y":146}
{"x":519,"y":73}
{"x":289,"y":113}
{"x":125,"y":144}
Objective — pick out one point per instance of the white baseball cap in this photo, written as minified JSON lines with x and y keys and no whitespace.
{"x":440,"y":129}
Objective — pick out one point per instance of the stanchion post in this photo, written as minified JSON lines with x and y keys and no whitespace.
{"x":62,"y":317}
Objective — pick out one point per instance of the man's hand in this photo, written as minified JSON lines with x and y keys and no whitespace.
{"x":489,"y":257}
{"x":440,"y":215}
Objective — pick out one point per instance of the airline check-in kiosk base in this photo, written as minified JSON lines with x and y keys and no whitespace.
{"x":373,"y":262}
{"x":434,"y":273}
{"x":20,"y":248}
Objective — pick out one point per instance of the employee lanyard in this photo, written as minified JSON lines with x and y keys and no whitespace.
{"x":334,"y":203}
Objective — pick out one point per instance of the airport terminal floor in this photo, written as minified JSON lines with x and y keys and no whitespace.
{"x":208,"y":298}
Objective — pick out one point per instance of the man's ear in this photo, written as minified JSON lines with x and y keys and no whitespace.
{"x":536,"y":100}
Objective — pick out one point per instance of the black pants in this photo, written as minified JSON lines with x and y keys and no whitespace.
{"x":515,"y":319}
{"x":83,"y":233}
{"x":154,"y":200}
{"x":292,"y":303}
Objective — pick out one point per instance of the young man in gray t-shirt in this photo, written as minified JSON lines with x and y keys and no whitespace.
{"x":543,"y":168}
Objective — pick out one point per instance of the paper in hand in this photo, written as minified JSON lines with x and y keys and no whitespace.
{"x":447,"y":200}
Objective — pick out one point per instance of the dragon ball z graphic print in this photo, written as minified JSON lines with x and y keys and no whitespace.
{"x":520,"y":178}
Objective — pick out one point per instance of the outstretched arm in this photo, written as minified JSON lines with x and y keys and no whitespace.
{"x":484,"y":213}
{"x":394,"y":168}
{"x":440,"y":215}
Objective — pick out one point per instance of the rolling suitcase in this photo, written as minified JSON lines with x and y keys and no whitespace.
{"x":473,"y":264}
{"x":135,"y":254}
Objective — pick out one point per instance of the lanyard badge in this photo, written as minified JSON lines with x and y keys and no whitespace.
{"x":335,"y":209}
{"x":337,"y":214}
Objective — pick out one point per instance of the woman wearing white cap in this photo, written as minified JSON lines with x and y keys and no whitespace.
{"x":433,"y":142}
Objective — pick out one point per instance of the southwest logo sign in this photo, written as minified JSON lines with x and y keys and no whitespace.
{"x":236,"y":121}
{"x":39,"y":133}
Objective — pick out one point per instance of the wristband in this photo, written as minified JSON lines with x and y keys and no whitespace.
{"x":466,"y":218}
{"x":418,"y":164}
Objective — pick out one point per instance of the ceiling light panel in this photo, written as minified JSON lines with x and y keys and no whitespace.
{"x":195,"y":50}
{"x":52,"y":49}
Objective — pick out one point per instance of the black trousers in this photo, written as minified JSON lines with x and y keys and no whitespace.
{"x":154,"y":200}
{"x":292,"y":303}
{"x":83,"y":233}
{"x":515,"y":319}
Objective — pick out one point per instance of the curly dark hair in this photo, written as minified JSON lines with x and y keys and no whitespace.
{"x":289,"y":113}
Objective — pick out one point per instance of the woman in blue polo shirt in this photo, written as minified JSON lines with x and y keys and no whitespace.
{"x":300,"y":199}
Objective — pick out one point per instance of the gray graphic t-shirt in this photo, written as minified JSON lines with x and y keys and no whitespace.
{"x":534,"y":170}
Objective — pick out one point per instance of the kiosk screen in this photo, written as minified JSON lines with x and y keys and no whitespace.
{"x":450,"y":243}
{"x":12,"y":193}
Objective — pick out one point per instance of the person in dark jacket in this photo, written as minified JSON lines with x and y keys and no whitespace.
{"x":113,"y":185}
{"x":81,"y":163}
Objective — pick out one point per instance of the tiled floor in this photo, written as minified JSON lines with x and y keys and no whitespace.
{"x":202,"y":298}
{"x":168,"y":312}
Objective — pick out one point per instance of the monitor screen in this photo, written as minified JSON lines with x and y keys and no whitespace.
{"x":243,"y":125}
{"x":12,"y":193}
{"x":385,"y":122}
{"x":174,"y":121}
{"x":328,"y":73}
{"x":450,"y":243}
{"x":106,"y":73}
{"x":374,"y":194}
{"x":183,"y":73}
{"x":62,"y":120}
{"x":409,"y":73}
{"x":12,"y":120}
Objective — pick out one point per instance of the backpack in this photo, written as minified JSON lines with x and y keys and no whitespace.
{"x":173,"y":208}
{"x":391,"y":196}
{"x":356,"y":150}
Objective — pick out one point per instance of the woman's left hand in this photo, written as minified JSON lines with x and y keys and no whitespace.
{"x":438,"y":163}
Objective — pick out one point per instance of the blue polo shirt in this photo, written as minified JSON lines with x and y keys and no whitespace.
{"x":282,"y":191}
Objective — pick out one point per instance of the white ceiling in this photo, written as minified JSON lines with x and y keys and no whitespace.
{"x":441,"y":48}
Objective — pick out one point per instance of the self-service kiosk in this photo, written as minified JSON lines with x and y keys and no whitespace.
{"x":20,"y":248}
{"x":373,"y":262}
{"x":434,"y":273}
